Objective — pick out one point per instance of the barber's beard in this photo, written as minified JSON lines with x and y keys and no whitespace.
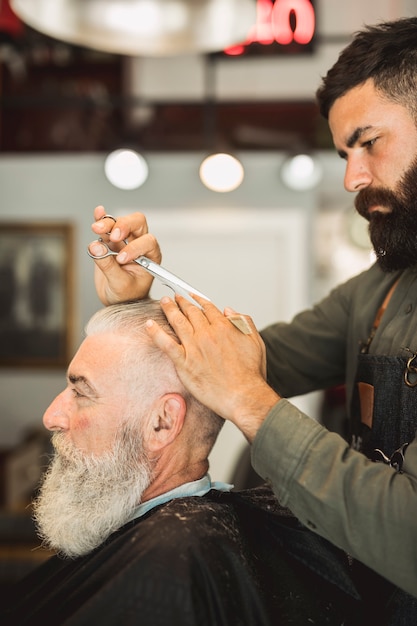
{"x":393,"y":235}
{"x":84,"y":499}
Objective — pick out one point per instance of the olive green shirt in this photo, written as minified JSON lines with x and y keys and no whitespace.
{"x":365,"y":508}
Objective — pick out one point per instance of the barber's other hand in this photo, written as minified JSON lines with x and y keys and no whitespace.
{"x":119,"y":279}
{"x":221,"y":366}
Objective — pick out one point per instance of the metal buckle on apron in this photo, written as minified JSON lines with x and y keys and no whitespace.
{"x":396,"y":460}
{"x":410,"y":369}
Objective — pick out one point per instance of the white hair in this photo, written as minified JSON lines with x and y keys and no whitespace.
{"x":146,"y":362}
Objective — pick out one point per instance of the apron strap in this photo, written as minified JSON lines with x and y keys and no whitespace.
{"x":377,"y":320}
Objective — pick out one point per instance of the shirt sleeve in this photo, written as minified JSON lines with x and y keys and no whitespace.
{"x":310,"y":352}
{"x":319,"y":348}
{"x":365,"y":508}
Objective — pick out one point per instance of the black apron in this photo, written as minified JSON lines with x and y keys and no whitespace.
{"x":383,"y":423}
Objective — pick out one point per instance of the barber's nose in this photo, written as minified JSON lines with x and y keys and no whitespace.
{"x":357,"y":175}
{"x":56,"y":416}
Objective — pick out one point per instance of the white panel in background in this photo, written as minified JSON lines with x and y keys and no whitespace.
{"x":183,"y":78}
{"x":255,"y":261}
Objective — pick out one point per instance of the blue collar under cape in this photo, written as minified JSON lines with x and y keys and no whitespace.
{"x":195,"y":488}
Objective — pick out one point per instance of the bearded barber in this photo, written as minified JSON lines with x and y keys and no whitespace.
{"x":359,"y":494}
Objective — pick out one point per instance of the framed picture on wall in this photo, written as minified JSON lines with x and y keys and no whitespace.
{"x":36,"y":294}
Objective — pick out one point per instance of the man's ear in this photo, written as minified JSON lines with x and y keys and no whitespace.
{"x":166,"y":422}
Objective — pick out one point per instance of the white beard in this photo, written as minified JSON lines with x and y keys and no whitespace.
{"x":84,"y":499}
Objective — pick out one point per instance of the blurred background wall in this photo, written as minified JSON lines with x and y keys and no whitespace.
{"x":263,"y":248}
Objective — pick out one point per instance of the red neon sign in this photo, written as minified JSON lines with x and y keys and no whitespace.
{"x":273,"y":23}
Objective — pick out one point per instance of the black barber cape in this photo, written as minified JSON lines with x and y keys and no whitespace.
{"x":226,"y":558}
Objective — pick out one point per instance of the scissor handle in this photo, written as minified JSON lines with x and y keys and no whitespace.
{"x":109,"y":252}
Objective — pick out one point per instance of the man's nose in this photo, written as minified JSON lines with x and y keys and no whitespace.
{"x":56,"y":416}
{"x":357,"y":175}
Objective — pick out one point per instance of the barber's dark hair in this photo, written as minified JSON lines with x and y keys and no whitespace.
{"x":386,"y":53}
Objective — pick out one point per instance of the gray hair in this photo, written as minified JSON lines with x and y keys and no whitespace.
{"x":144,"y":361}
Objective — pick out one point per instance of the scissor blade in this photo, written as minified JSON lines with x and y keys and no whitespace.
{"x":169,"y":279}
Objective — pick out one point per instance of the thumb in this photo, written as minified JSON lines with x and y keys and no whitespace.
{"x":107,"y":263}
{"x":97,"y":249}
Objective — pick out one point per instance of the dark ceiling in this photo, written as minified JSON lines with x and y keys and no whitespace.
{"x":55,"y":97}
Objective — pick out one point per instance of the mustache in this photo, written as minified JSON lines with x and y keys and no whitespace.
{"x":63,"y":447}
{"x":369,"y":197}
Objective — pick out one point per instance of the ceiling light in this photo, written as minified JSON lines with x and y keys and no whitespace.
{"x":126,"y":169}
{"x":142,"y":27}
{"x":221,"y":172}
{"x":301,"y":172}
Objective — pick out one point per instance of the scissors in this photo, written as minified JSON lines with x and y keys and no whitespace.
{"x":157,"y":271}
{"x":172,"y":281}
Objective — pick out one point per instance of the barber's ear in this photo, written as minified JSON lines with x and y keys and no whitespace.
{"x":167,"y":421}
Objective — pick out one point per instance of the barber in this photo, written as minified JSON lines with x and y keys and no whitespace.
{"x":362,"y":335}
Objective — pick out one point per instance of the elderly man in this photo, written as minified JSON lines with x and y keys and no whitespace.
{"x":142,"y":535}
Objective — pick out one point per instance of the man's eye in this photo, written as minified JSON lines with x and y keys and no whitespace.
{"x":370,"y":143}
{"x":76,"y":393}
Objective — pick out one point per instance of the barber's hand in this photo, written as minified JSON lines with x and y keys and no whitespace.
{"x":119,"y":279}
{"x":221,"y":366}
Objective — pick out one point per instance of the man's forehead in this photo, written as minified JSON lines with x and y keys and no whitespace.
{"x":359,"y":111}
{"x":363,"y":105}
{"x":100,"y":356}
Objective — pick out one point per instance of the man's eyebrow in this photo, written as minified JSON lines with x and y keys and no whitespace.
{"x":81,"y":381}
{"x":353,"y":139}
{"x":356,"y":135}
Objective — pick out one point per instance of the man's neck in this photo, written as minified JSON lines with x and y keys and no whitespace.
{"x":165,"y":481}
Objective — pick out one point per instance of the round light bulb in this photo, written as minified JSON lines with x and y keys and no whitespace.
{"x":126,"y":169}
{"x":221,"y":172}
{"x":301,"y":172}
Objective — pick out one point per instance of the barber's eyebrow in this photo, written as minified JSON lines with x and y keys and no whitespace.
{"x":83,"y":382}
{"x":353,"y":139}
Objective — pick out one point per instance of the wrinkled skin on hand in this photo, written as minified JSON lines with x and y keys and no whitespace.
{"x":119,"y":279}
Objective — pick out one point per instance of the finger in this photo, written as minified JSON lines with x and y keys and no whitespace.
{"x":133,"y":225}
{"x":214,"y":315}
{"x":165,"y":342}
{"x":210,"y":310}
{"x":146,"y":245}
{"x":243,"y":323}
{"x":132,"y":228}
{"x":178,"y":317}
{"x":99,"y":211}
{"x":120,"y":228}
{"x":97,"y":249}
{"x":190,"y":308}
{"x":192,"y":312}
{"x":107,"y":264}
{"x":104,"y":225}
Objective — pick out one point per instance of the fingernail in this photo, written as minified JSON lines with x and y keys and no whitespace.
{"x":121,"y":257}
{"x":97,"y":249}
{"x":115,"y":234}
{"x":165,"y":300}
